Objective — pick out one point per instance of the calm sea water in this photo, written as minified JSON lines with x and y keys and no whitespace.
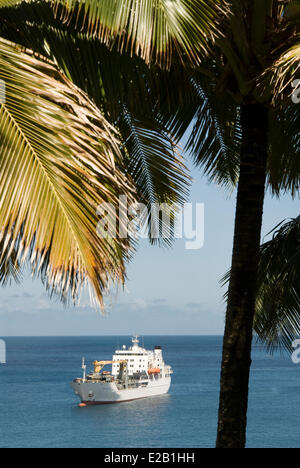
{"x":39,"y":409}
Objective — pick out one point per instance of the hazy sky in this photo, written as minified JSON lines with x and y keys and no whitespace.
{"x":173,"y":291}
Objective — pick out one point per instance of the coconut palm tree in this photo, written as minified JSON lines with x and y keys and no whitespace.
{"x":247,"y":115}
{"x":234,"y":90}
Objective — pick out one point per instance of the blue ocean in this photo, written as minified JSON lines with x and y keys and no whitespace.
{"x":38,"y":407}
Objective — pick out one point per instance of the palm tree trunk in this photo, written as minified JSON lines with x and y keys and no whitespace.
{"x":242,"y":289}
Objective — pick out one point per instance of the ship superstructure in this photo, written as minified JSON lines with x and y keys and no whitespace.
{"x":135,"y":373}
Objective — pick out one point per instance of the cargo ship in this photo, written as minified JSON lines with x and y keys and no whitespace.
{"x":135,"y":373}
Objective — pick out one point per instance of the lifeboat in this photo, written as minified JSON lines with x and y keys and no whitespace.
{"x":154,"y":370}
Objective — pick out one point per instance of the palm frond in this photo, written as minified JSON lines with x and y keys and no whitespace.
{"x":216,"y":136}
{"x":9,"y":3}
{"x":60,"y":160}
{"x":284,"y":148}
{"x":152,"y":29}
{"x":158,"y":171}
{"x":277,"y":315}
{"x":285,"y":70}
{"x":10,"y":268}
{"x":108,"y":77}
{"x":118,"y":84}
{"x":277,"y":320}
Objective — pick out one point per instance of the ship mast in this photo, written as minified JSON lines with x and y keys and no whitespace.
{"x":135,"y":341}
{"x":84,"y":369}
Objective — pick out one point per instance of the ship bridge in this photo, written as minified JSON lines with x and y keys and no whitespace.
{"x":139,"y":359}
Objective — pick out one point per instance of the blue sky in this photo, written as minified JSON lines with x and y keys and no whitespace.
{"x":172,"y":291}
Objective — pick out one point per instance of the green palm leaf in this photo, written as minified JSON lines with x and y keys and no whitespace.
{"x":157,"y":169}
{"x":9,"y":3}
{"x":59,"y":160}
{"x":216,"y":138}
{"x":277,"y":320}
{"x":285,"y":70}
{"x":152,"y":29}
{"x":10,"y":268}
{"x":118,"y":84}
{"x":277,"y":316}
{"x":284,"y":144}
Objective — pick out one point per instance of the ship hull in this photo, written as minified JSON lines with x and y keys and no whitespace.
{"x":101,"y":393}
